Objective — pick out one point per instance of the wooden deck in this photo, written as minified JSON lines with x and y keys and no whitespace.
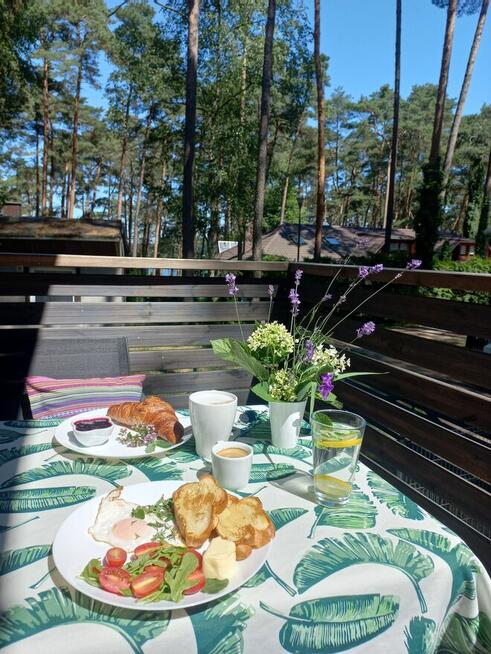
{"x":429,"y":416}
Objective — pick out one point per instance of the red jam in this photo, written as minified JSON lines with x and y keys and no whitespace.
{"x":90,"y":424}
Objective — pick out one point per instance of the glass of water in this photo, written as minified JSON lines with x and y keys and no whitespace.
{"x":337,"y":438}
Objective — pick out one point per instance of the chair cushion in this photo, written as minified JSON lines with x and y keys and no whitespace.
{"x":61,"y":398}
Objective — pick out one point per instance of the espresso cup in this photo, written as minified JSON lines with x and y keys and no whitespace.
{"x":212,"y":416}
{"x":231,"y":471}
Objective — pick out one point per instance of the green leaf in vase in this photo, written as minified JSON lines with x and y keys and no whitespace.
{"x":282,"y":517}
{"x":330,"y":555}
{"x":110,"y":472}
{"x":463,"y":635}
{"x":460,"y":559}
{"x":14,"y":559}
{"x":396,"y":501}
{"x":43,"y":499}
{"x":420,"y":636}
{"x":56,"y":607}
{"x":24,"y":450}
{"x":270,"y":471}
{"x":335,"y":624}
{"x":358,"y":513}
{"x":218,"y":627}
{"x":155,"y":470}
{"x":265,"y":447}
{"x":239,"y":353}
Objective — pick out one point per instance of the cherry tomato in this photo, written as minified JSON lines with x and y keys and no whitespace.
{"x":114,"y":580}
{"x":146,"y":583}
{"x":115,"y":557}
{"x":198,"y":577}
{"x":191,"y":550}
{"x":146,"y":548}
{"x":154,"y":568}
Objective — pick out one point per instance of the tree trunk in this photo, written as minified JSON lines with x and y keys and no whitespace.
{"x":52,"y":171}
{"x":321,"y":155}
{"x":188,"y":228}
{"x":44,"y":185}
{"x":160,"y":204}
{"x":442,"y":84}
{"x":257,"y":240}
{"x":485,"y":214}
{"x":140,"y":182}
{"x":122,"y":161}
{"x":286,"y":183}
{"x":38,"y":181}
{"x":389,"y":214}
{"x":95,"y":184}
{"x":76,"y":110}
{"x":463,"y":92}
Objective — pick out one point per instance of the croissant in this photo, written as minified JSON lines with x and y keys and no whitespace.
{"x":153,"y":412}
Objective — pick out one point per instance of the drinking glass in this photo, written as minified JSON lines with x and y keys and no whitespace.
{"x":337,"y":438}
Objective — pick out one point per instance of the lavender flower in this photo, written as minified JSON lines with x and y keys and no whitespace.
{"x":326,"y":385}
{"x":295,"y":301}
{"x":363,"y":272}
{"x":309,"y":350}
{"x":378,"y":267}
{"x":298,"y":276}
{"x":413,"y":264}
{"x":232,"y":288}
{"x":271,"y":291}
{"x":327,"y":297}
{"x":342,"y":299}
{"x":366,"y":329}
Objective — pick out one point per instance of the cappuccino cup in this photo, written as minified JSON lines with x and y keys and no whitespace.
{"x":212,"y":416}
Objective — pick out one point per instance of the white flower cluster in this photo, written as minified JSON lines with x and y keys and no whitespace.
{"x":271,"y":339}
{"x":282,"y":386}
{"x":324,"y":356}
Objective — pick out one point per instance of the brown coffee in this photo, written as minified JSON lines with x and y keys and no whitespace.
{"x":233,"y":452}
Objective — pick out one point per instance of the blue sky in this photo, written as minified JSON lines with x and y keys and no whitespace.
{"x":358,"y":37}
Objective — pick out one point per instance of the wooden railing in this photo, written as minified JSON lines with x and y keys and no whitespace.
{"x":429,"y":415}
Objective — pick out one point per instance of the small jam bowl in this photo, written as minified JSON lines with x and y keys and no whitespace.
{"x":88,"y":433}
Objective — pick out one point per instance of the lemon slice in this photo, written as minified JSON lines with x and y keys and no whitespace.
{"x":350,"y":442}
{"x":332,"y":486}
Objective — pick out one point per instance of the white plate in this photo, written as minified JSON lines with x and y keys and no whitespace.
{"x":112,"y":448}
{"x":73,"y":548}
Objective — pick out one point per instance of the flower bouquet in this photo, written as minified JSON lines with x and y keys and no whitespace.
{"x":297,"y":364}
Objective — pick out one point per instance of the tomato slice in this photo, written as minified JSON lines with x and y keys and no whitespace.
{"x":146,"y":583}
{"x":199,"y":556}
{"x":145,"y":548}
{"x":115,"y":557}
{"x":200,"y":580}
{"x":155,"y":568}
{"x":114,"y":580}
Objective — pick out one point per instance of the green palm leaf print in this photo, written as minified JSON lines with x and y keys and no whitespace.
{"x":335,"y":624}
{"x":265,"y":447}
{"x":466,"y":635}
{"x":43,"y":499}
{"x":420,"y":636}
{"x":9,"y":435}
{"x":56,"y":607}
{"x":332,"y":554}
{"x":33,"y":424}
{"x":270,"y":471}
{"x":459,"y":558}
{"x":282,"y":517}
{"x":218,"y":629}
{"x":185,"y":453}
{"x":263,"y":574}
{"x":110,"y":472}
{"x":14,"y":559}
{"x":155,"y":470}
{"x":25,"y":450}
{"x":19,"y":524}
{"x":396,"y":501}
{"x":358,"y":513}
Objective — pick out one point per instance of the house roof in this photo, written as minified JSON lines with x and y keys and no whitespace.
{"x":337,"y":241}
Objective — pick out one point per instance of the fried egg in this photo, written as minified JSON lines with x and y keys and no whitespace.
{"x":115,"y":525}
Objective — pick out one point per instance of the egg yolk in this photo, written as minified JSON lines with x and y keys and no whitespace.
{"x":131,"y":528}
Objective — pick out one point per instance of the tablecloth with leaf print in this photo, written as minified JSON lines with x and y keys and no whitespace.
{"x":378,"y":575}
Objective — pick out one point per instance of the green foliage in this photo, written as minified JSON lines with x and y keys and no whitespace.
{"x":428,"y":217}
{"x":473,"y":265}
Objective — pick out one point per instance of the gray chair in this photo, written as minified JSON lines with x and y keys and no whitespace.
{"x":92,"y":357}
{"x":64,"y":358}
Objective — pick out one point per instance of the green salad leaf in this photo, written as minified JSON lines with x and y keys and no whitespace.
{"x":213,"y":586}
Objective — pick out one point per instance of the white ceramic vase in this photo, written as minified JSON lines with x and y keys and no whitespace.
{"x":286,"y":419}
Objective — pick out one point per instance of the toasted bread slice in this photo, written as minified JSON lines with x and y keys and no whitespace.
{"x":196,"y":508}
{"x":245,"y":522}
